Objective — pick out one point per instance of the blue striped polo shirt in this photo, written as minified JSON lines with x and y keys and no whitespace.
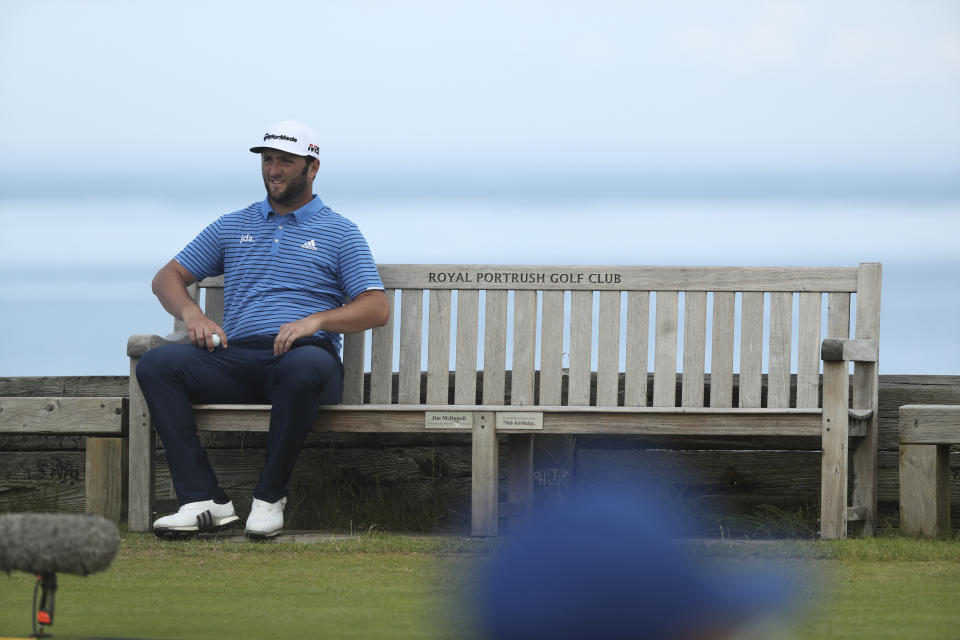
{"x":279,"y":269}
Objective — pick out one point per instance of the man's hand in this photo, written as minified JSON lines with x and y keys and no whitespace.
{"x":293,"y":330}
{"x":170,"y":287}
{"x":201,"y":329}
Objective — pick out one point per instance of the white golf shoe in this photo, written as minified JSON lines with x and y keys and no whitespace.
{"x":194,"y":517}
{"x":266,"y":518}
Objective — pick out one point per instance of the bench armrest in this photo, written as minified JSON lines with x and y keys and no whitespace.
{"x":139,"y":344}
{"x":836,"y":349}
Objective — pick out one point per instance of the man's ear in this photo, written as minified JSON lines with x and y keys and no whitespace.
{"x":314,"y":168}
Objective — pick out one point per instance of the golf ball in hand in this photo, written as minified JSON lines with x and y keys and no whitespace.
{"x":215,"y":339}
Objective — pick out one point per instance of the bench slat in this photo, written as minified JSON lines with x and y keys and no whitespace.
{"x":213,"y":304}
{"x":608,"y":349}
{"x":751,"y":349}
{"x":838,"y":315}
{"x":808,"y":364}
{"x":638,"y":329}
{"x":353,"y":344}
{"x":411,"y":330}
{"x":381,"y":358}
{"x":524,"y":345}
{"x":551,"y":347}
{"x":495,"y":347}
{"x":438,"y":347}
{"x":781,"y":319}
{"x":665,"y":350}
{"x":694,"y":347}
{"x":581,"y":338}
{"x":721,"y":359}
{"x":465,"y":380}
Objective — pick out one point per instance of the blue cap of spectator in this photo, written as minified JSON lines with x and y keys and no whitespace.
{"x":609,"y":564}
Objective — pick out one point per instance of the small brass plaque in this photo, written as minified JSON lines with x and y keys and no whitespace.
{"x":530,"y":420}
{"x":448,"y":420}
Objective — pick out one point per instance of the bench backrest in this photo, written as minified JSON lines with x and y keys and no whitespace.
{"x":530,"y":335}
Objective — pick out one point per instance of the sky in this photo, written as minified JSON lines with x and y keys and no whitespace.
{"x":433,"y":86}
{"x":688,"y":132}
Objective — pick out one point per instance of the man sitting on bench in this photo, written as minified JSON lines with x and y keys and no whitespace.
{"x":290,"y":266}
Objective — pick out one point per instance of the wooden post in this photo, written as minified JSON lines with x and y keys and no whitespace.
{"x":865,"y":396}
{"x":105,"y":477}
{"x":140,"y":465}
{"x":925,"y":490}
{"x":833,"y":492}
{"x":485,"y":490}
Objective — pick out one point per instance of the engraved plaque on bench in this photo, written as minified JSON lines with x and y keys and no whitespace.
{"x":528,"y":420}
{"x":448,"y":419}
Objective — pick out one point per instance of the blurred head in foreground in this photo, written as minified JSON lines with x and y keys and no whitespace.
{"x":607,"y":564}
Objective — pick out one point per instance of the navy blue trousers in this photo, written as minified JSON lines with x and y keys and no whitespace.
{"x":296,"y":383}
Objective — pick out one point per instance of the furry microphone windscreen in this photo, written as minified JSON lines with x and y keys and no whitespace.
{"x":57,"y":543}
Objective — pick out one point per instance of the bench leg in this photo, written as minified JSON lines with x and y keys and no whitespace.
{"x":140,"y":461}
{"x":864,"y":472}
{"x":105,"y":478}
{"x":925,"y":490}
{"x":485,"y":490}
{"x":833,"y":479}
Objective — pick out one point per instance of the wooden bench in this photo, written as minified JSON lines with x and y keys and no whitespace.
{"x":926,"y":433}
{"x":550,"y":328}
{"x":103,"y":420}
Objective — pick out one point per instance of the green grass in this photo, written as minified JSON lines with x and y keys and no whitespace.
{"x":395,"y":586}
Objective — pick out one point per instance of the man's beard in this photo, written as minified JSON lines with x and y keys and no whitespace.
{"x":293,"y":190}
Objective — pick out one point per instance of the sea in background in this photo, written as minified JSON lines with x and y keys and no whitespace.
{"x":75,"y":269}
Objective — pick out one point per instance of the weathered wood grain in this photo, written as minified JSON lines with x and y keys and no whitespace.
{"x":581,"y":340}
{"x":608,"y":349}
{"x":721,"y":362}
{"x":665,"y":350}
{"x":468,"y":314}
{"x":411,"y":330}
{"x":495,"y":347}
{"x":353,"y":344}
{"x":105,"y":475}
{"x":865,"y":395}
{"x":105,"y":416}
{"x":381,"y":357}
{"x":599,"y":278}
{"x":438,"y":347}
{"x":853,"y":350}
{"x":569,"y":419}
{"x":524,"y":347}
{"x":551,"y":348}
{"x":140,"y":459}
{"x":808,"y":360}
{"x":834,"y":464}
{"x":930,"y":424}
{"x":694,"y":348}
{"x":751,"y":349}
{"x":636,"y":368}
{"x":781,"y":318}
{"x":60,"y":386}
{"x":485,"y":493}
{"x":925,"y":490}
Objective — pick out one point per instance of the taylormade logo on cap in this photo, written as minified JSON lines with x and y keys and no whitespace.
{"x":292,"y":137}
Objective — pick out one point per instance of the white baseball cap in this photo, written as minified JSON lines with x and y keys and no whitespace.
{"x":290,"y":136}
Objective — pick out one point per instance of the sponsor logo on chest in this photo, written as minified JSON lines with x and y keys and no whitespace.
{"x":310,"y":244}
{"x":246,"y":238}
